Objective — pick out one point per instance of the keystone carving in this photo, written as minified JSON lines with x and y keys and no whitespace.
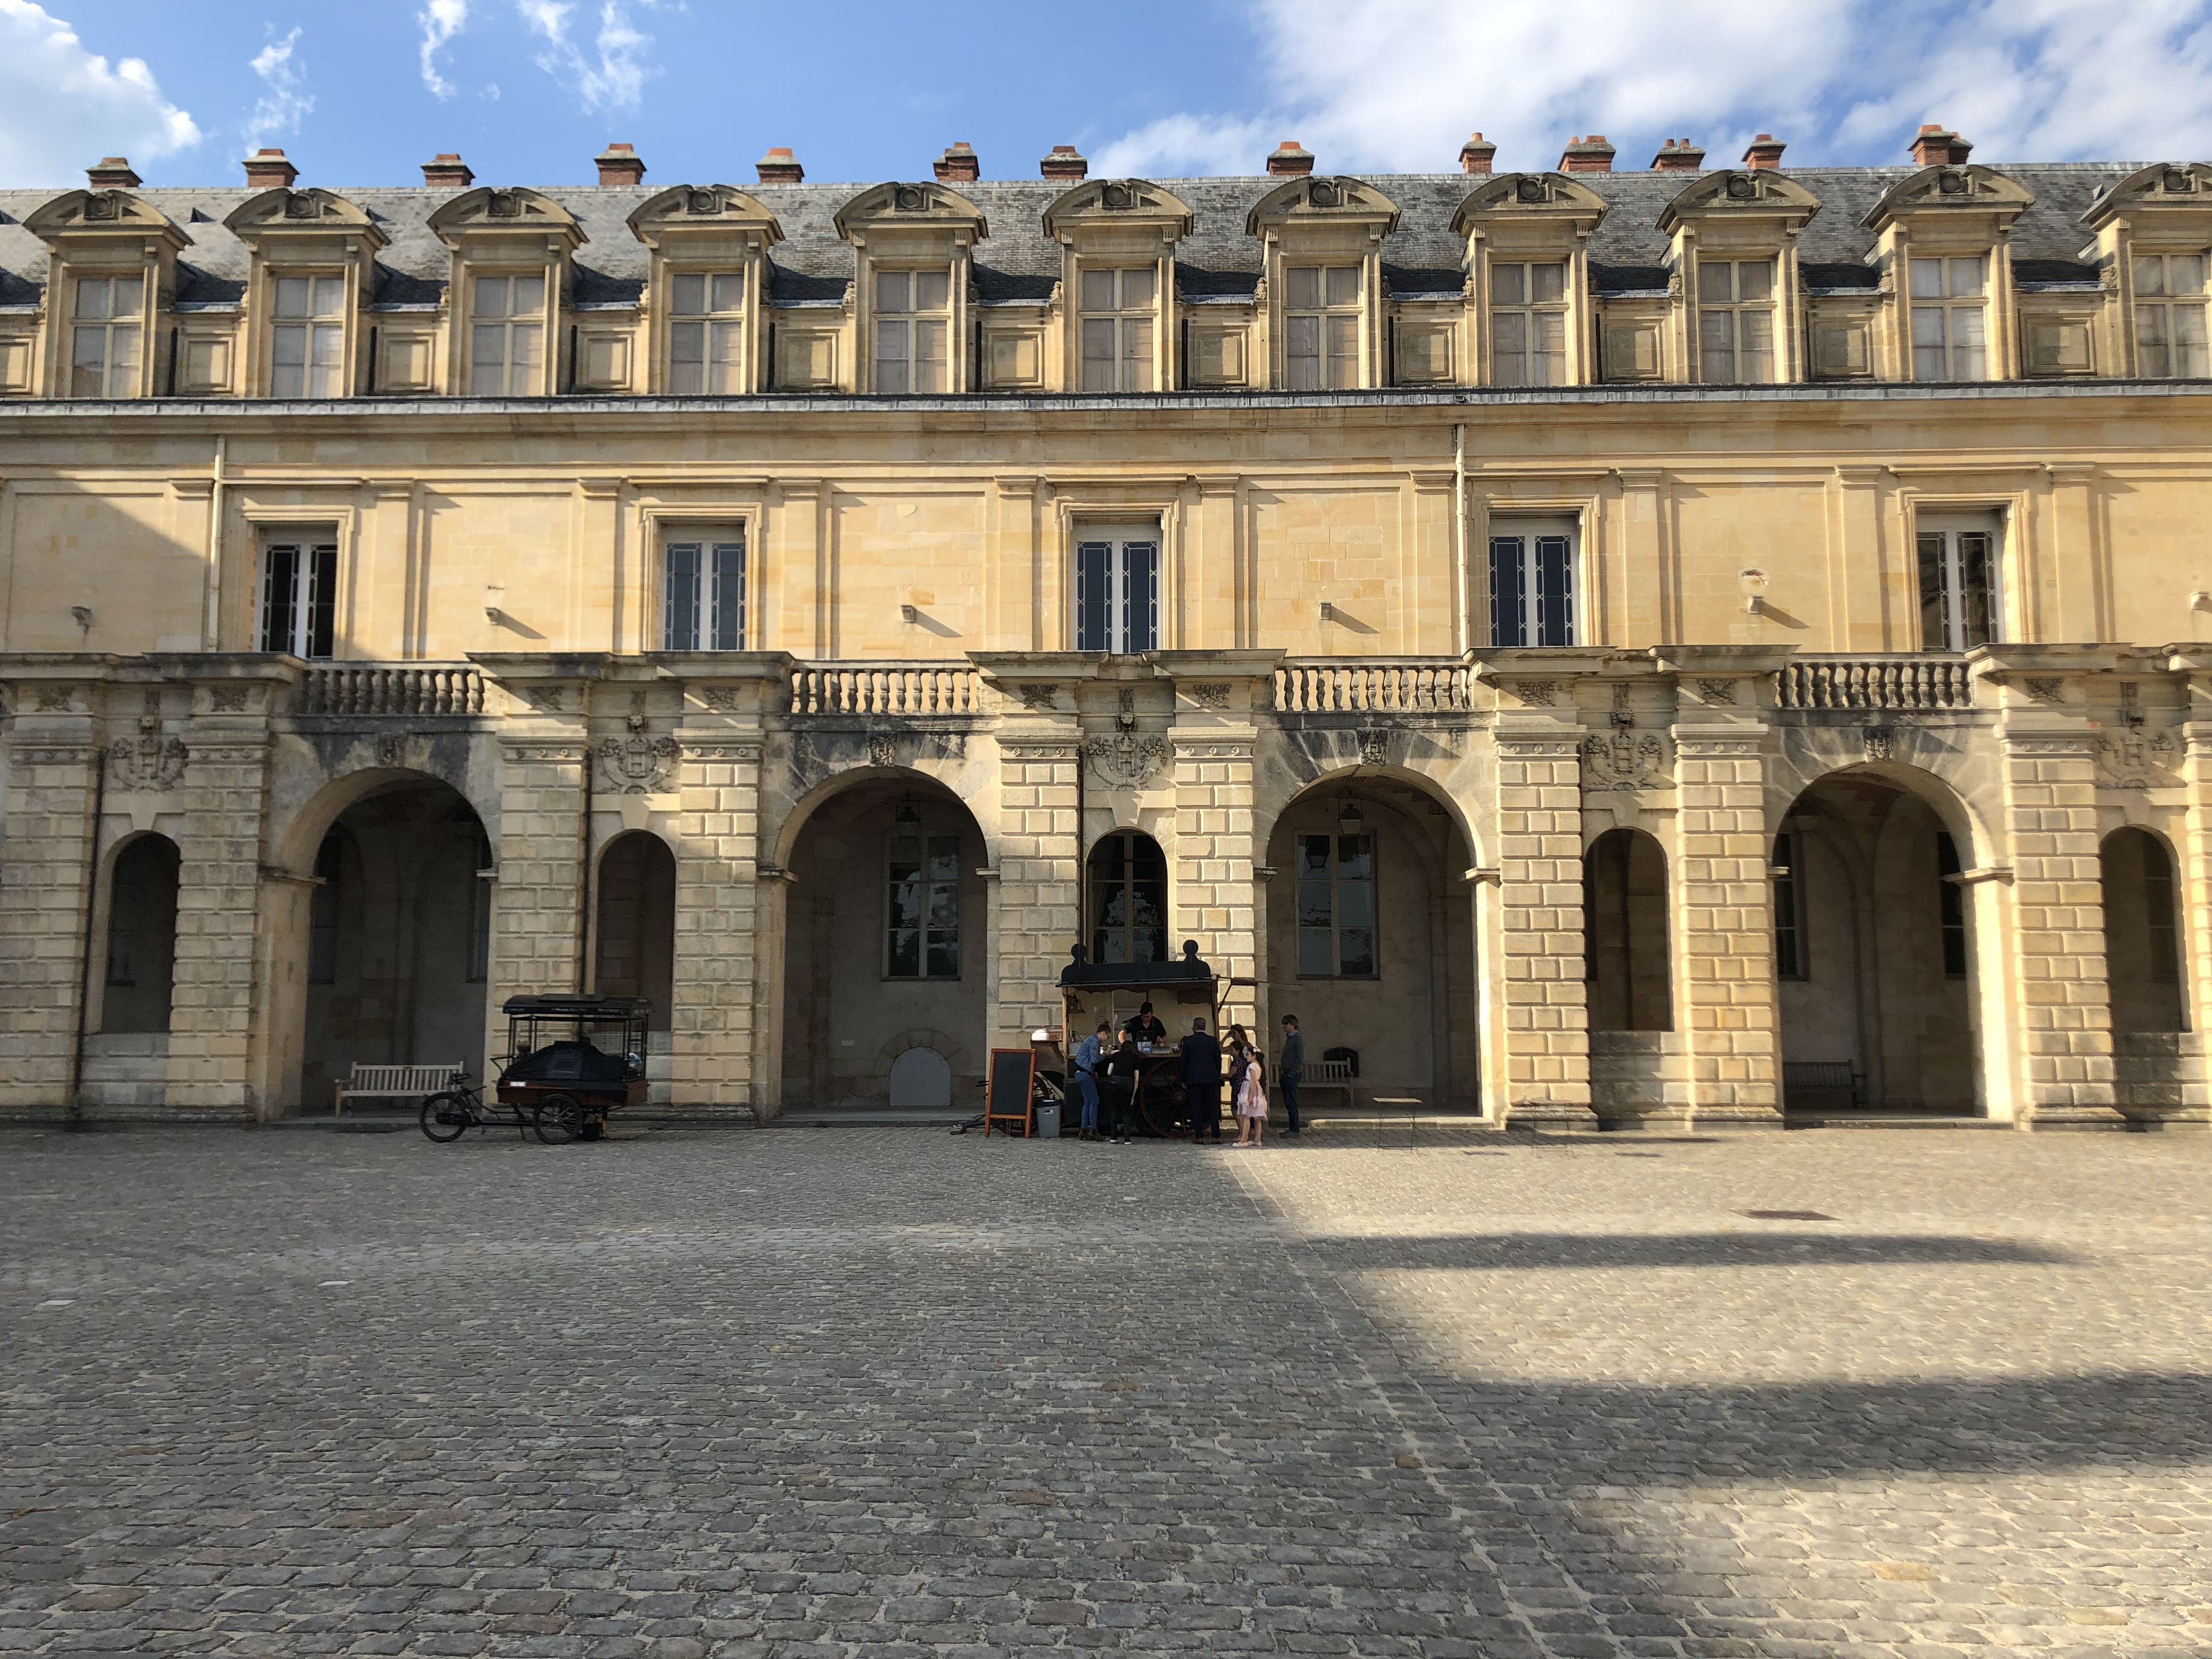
{"x":1373,"y":748}
{"x":1880,"y":743}
{"x":882,"y":749}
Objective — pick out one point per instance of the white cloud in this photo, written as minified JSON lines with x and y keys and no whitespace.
{"x":287,"y":99}
{"x":440,"y":20}
{"x":616,"y":79}
{"x":63,"y":107}
{"x":1391,"y":85}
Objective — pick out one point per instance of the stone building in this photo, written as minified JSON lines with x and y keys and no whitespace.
{"x":1614,"y":647}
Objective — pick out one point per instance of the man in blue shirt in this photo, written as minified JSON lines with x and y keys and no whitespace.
{"x":1291,"y":1069}
{"x":1202,"y":1080}
{"x":1088,"y":1053}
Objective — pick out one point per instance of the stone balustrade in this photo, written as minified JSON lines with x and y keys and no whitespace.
{"x":885,"y":688}
{"x":1379,"y":685}
{"x":1898,"y":682}
{"x":415,"y":688}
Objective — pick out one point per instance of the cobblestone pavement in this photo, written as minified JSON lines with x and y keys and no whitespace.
{"x":889,"y":1392}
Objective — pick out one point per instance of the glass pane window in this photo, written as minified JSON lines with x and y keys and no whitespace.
{"x":1532,"y":588}
{"x":1949,"y":318}
{"x":1951,"y":907}
{"x":299,"y":596}
{"x":1320,"y":328}
{"x":922,"y":912}
{"x":1117,"y":594}
{"x":1117,"y":331}
{"x":506,"y":336}
{"x":1128,"y":882}
{"x":105,"y":345}
{"x":1959,"y":606}
{"x":307,"y":344}
{"x":702,"y":597}
{"x":1528,"y":324}
{"x":1336,"y":907}
{"x":1735,"y":322}
{"x":1791,"y":961}
{"x":706,"y":333}
{"x":2170,"y":337}
{"x":910,"y":341}
{"x":323,"y":909}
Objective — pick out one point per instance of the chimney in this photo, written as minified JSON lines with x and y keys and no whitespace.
{"x":1678,"y":155}
{"x":267,"y":169}
{"x":114,"y":173}
{"x":619,"y":165}
{"x":447,"y":171}
{"x":1476,"y":155}
{"x":780,"y":167}
{"x":958,"y":165}
{"x":1765,"y":154}
{"x":1590,"y":155}
{"x":1065,"y":162}
{"x":1936,"y":146}
{"x":1288,"y":162}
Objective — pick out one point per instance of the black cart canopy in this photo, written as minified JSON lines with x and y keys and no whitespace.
{"x":1081,"y":974}
{"x":594,"y":1009}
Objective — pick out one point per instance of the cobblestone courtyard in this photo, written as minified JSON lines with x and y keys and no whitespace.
{"x":889,"y":1392}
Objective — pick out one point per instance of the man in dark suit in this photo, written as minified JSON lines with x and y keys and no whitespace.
{"x":1291,"y":1069}
{"x":1201,"y":1079}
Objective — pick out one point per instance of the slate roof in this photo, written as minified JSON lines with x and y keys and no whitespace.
{"x":1017,"y":263}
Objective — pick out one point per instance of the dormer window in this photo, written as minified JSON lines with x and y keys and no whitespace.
{"x":306,"y":346}
{"x":706,"y":335}
{"x":1321,"y":324}
{"x":2170,"y":336}
{"x":1735,"y":322}
{"x":104,"y":350}
{"x":1949,"y":330}
{"x":911,"y":329}
{"x":1118,"y":315}
{"x":1529,"y":323}
{"x":506,"y":336}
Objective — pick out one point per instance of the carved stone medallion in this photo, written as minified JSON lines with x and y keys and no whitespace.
{"x":1125,"y":761}
{"x":148,"y":761}
{"x":1623,"y":759}
{"x":2130,"y":759}
{"x":638,"y":764}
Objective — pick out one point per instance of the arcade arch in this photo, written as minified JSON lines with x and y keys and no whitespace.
{"x":141,"y":938}
{"x":1624,"y":933}
{"x":633,"y":924}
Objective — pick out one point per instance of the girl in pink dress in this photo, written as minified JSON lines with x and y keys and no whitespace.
{"x":1251,"y":1098}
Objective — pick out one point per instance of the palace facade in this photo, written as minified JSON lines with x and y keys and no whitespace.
{"x":1604,"y":648}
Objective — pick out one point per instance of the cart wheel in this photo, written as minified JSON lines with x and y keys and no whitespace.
{"x":558,"y":1119}
{"x":445,"y":1118}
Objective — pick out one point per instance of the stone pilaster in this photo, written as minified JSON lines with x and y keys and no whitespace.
{"x":1545,"y":1004}
{"x":1216,"y":899}
{"x":1040,"y":878}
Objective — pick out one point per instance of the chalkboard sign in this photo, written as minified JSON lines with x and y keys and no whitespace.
{"x":1014,"y":1075}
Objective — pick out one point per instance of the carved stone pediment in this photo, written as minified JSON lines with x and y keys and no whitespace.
{"x":916,"y":206}
{"x":1112,"y":203}
{"x":2153,"y":194}
{"x":1333,"y":199}
{"x":1544,"y":196}
{"x":514,"y":212}
{"x":686,"y":210}
{"x":1949,"y":189}
{"x":1746,"y":192}
{"x":286,"y":212}
{"x":101,"y":214}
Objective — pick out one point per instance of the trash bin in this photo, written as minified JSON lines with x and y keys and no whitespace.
{"x":1048,"y":1120}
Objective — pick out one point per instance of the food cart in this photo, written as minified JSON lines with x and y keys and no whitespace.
{"x":1187,"y":988}
{"x":575,"y":1060}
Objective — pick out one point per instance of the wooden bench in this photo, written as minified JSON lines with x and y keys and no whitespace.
{"x":393,"y":1082}
{"x":1329,"y":1074}
{"x":1800,"y":1076}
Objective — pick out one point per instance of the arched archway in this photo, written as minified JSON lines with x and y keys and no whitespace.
{"x":1874,"y":946}
{"x":634,"y":923}
{"x":141,"y":938}
{"x":1125,"y":879}
{"x":1624,"y":933}
{"x":2146,"y":970}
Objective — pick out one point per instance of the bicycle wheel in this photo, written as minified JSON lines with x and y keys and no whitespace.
{"x":445,"y":1117}
{"x":558,"y":1119}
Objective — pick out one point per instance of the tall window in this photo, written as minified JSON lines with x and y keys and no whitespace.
{"x":1532,"y":585}
{"x":1336,"y":906}
{"x":506,"y":336}
{"x":1128,"y":899}
{"x":1529,"y":325}
{"x":2170,"y":316}
{"x":922,"y":919}
{"x":702,"y":600}
{"x":1789,"y":959}
{"x":706,"y":333}
{"x":104,"y":352}
{"x":307,"y":344}
{"x":1320,"y":328}
{"x":299,"y":596}
{"x":1949,"y":337}
{"x":2159,"y":913}
{"x":1117,"y":593}
{"x":323,"y":909}
{"x":1951,"y":907}
{"x":911,"y":329}
{"x":1117,"y":330}
{"x":1735,"y":321}
{"x":1958,"y":588}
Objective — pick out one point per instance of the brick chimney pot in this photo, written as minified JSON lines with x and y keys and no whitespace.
{"x":1066,"y":162}
{"x":447,"y":171}
{"x":1936,"y":146}
{"x":1678,"y":155}
{"x":620,"y":164}
{"x":780,"y":167}
{"x":1590,"y":155}
{"x":959,"y":164}
{"x":113,"y":173}
{"x":1476,"y":155}
{"x":1765,"y":154}
{"x":1290,"y":161}
{"x":267,"y":169}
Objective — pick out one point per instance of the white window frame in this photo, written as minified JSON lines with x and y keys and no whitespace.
{"x":2170,"y":314}
{"x":1537,"y":543}
{"x":312,"y":337}
{"x":1322,"y":328}
{"x":1729,"y":322}
{"x":706,"y":309}
{"x":1953,"y":558}
{"x":516,"y":320}
{"x":100,"y":323}
{"x":1538,"y":324}
{"x":1947,"y":320}
{"x":295,"y":600}
{"x":697,"y":568}
{"x":1124,"y":617}
{"x":1127,"y":328}
{"x":903,"y":320}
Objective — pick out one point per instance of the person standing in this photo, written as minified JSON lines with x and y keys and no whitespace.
{"x":1291,"y":1069}
{"x":1121,"y":1069}
{"x":1147,"y":1026}
{"x":1201,"y":1082}
{"x":1088,"y":1054}
{"x":1251,"y":1091}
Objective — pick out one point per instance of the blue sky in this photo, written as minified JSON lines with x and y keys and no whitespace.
{"x":528,"y":90}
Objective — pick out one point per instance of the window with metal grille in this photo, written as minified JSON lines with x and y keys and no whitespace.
{"x":706,"y":333}
{"x":1949,"y":325}
{"x":1791,"y":961}
{"x":307,"y":341}
{"x":1320,"y":328}
{"x":1117,"y":592}
{"x":1336,"y":907}
{"x":911,"y":329}
{"x":1528,"y":324}
{"x":1958,"y":607}
{"x":702,"y":595}
{"x":1735,"y":321}
{"x":506,"y":336}
{"x":299,"y":596}
{"x":1118,"y":315}
{"x":1532,"y":585}
{"x":104,"y":342}
{"x":1129,"y":883}
{"x":1951,"y":907}
{"x":2169,"y":293}
{"x":922,"y":917}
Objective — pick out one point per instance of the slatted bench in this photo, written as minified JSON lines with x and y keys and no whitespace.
{"x":1803,"y":1076}
{"x":1329,"y":1074}
{"x":393,"y":1082}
